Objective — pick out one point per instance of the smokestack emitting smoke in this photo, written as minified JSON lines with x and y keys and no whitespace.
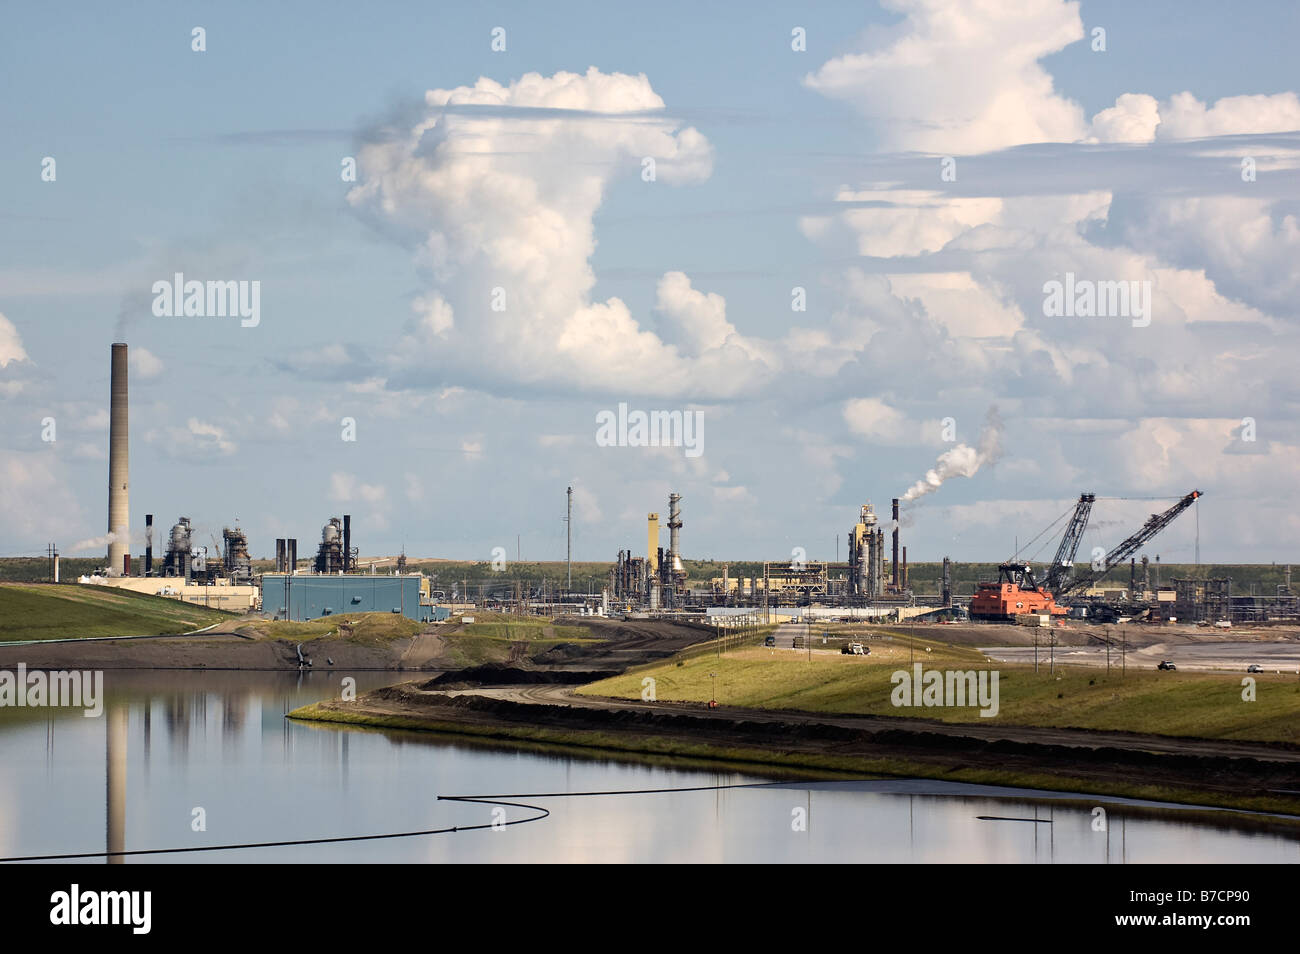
{"x":962,"y":460}
{"x":119,"y":518}
{"x":894,"y":573}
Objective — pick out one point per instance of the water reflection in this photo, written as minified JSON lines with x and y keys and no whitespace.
{"x":259,"y":777}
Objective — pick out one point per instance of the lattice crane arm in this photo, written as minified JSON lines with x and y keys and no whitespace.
{"x":1063,"y":564}
{"x":1155,"y":523}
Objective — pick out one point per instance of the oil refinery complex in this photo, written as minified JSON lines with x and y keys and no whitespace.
{"x":872,"y":583}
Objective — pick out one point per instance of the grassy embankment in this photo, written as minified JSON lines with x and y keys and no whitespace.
{"x":367,"y":629}
{"x":1196,"y":705}
{"x":69,"y":611}
{"x":493,"y":637}
{"x":502,"y":638}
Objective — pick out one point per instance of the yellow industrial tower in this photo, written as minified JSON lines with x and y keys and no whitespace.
{"x":652,"y":543}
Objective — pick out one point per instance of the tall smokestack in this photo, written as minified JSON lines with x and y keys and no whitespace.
{"x":894,"y":572}
{"x":148,"y":544}
{"x":347,"y":542}
{"x":119,"y":517}
{"x":675,"y":525}
{"x":568,"y":539}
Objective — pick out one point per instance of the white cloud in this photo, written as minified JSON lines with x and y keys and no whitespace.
{"x":872,"y":418}
{"x":957,"y":78}
{"x":1133,"y":118}
{"x":1186,"y":117}
{"x":962,"y":305}
{"x":347,"y":488}
{"x":1140,"y":118}
{"x":145,"y":364}
{"x":495,"y":190}
{"x":11,"y":344}
{"x":901,"y":221}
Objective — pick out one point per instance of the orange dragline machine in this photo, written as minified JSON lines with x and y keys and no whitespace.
{"x":1017,"y":591}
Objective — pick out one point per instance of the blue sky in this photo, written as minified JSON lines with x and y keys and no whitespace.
{"x":923,"y":297}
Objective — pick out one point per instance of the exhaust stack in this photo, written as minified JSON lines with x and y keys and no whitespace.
{"x":894,"y":573}
{"x":119,"y":518}
{"x":347,"y":543}
{"x":674,"y":528}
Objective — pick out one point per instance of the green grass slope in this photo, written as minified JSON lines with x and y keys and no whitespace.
{"x":69,"y":611}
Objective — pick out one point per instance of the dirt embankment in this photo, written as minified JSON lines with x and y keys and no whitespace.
{"x":498,"y":674}
{"x":616,"y":646}
{"x":1263,"y":775}
{"x":198,"y":652}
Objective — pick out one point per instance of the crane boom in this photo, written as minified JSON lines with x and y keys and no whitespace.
{"x":1063,"y":565}
{"x":1155,"y":523}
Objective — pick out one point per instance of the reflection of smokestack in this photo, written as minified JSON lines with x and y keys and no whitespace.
{"x":347,"y":542}
{"x":894,"y":571}
{"x":115,"y":781}
{"x":119,"y":520}
{"x":148,"y":544}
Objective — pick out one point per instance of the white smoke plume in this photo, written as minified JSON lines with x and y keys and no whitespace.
{"x":95,"y":543}
{"x":962,"y":460}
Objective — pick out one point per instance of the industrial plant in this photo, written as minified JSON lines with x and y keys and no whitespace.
{"x":222,"y":575}
{"x":871,"y":583}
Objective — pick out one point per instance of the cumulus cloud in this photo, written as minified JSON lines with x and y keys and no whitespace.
{"x":874,"y":419}
{"x":494,"y":190}
{"x":1186,"y":117}
{"x":11,"y":344}
{"x":1133,"y":118}
{"x":1140,"y":118}
{"x":958,"y":78}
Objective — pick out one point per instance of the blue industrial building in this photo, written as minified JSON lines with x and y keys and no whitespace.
{"x":312,"y":596}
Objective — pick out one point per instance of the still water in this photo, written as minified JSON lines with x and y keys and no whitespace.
{"x":174,"y":749}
